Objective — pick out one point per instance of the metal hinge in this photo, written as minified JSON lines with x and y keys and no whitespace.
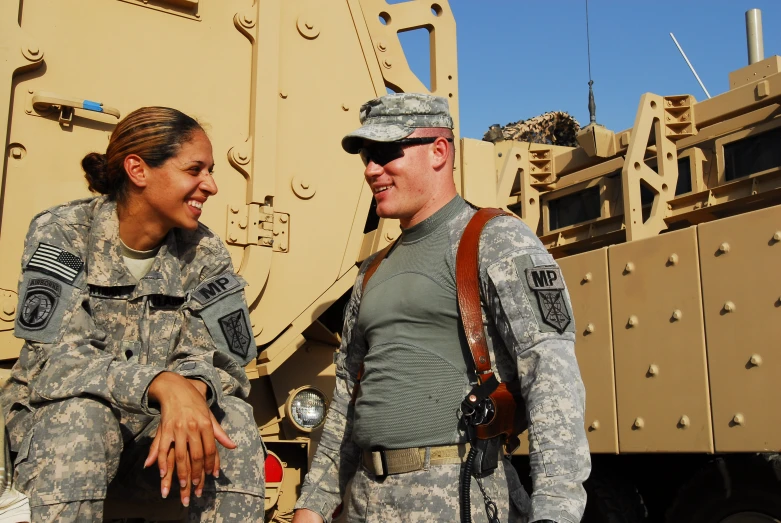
{"x":257,"y":224}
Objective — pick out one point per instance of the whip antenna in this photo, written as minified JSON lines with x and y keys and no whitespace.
{"x":592,"y":105}
{"x":690,"y":65}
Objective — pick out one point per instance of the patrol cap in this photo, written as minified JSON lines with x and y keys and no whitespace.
{"x":396,"y":116}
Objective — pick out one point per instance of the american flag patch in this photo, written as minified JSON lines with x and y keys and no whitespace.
{"x":56,"y":262}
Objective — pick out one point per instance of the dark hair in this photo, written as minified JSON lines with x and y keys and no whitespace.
{"x":153,"y":133}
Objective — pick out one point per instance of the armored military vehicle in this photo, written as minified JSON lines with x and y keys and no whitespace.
{"x":669,"y":236}
{"x":666,"y":231}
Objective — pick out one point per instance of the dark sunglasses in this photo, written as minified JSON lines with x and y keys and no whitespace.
{"x":384,"y":152}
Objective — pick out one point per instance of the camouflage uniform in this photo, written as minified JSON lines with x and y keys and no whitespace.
{"x":530,"y":335}
{"x":76,"y":406}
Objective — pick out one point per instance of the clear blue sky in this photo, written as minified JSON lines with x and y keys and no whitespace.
{"x":521,"y":58}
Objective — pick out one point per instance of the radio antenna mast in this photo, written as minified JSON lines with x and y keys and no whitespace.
{"x":690,"y":65}
{"x":592,"y":105}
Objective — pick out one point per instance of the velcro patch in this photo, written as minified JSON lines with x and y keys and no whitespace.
{"x":122,"y":292}
{"x":238,"y":337}
{"x":39,"y":304}
{"x":544,"y":278}
{"x":56,"y":262}
{"x":163,"y":302}
{"x":214,"y":288}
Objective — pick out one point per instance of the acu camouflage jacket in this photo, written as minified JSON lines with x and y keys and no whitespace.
{"x":91,"y":329}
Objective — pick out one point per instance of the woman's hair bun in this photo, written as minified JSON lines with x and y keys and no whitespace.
{"x":95,"y":166}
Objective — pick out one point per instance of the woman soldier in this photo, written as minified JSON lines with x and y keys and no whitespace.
{"x":136,"y":333}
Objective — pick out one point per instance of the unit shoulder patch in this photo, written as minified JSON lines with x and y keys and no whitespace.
{"x":214,"y":288}
{"x":234,"y":328}
{"x":548,"y":285}
{"x":40,"y":302}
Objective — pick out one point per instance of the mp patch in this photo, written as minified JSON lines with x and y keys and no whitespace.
{"x":237,"y":335}
{"x":214,"y":288}
{"x":56,"y":262}
{"x":39,"y":304}
{"x":548,"y":285}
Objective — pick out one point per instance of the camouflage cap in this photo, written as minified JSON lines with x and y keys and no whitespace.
{"x":396,"y":116}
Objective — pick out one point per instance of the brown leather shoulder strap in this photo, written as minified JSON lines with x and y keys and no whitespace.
{"x":468,"y":287}
{"x":375,"y":264}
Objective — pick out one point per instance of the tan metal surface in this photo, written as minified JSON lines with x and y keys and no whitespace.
{"x":658,"y":332}
{"x":589,"y":288}
{"x":741,"y":282}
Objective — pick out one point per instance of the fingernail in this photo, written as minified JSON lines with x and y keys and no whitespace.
{"x":165,"y":492}
{"x":199,"y":493}
{"x":216,"y":473}
{"x":162,"y":473}
{"x":186,"y":502}
{"x":196,"y":481}
{"x":182,"y":483}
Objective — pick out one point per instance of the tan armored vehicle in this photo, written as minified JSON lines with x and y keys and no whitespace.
{"x":667,"y":231}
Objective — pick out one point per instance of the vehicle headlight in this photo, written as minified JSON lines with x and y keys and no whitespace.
{"x":306,"y":408}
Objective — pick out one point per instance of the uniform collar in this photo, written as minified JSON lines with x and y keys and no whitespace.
{"x":106,"y":268}
{"x":432,"y":223}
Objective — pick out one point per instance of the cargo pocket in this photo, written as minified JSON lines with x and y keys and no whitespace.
{"x":24,"y":472}
{"x":552,"y":439}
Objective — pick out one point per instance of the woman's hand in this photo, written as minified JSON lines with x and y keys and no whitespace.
{"x":186,"y":434}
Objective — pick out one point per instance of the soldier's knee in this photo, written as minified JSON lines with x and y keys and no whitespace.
{"x":242,"y":468}
{"x":237,"y":417}
{"x":71,"y":453}
{"x":73,"y":416}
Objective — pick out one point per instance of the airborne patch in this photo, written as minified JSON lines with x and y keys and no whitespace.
{"x":215,"y":287}
{"x":238,"y":337}
{"x":548,"y":285}
{"x":40,"y":301}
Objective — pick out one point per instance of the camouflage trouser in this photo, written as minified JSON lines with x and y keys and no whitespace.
{"x":432,"y":495}
{"x":78,"y":453}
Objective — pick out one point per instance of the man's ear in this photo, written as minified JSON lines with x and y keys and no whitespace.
{"x":136,"y":170}
{"x":441,"y":152}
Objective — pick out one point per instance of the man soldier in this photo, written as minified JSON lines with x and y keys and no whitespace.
{"x":397,"y":436}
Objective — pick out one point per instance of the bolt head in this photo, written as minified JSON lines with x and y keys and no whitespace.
{"x":629,"y":267}
{"x":677,"y":314}
{"x":755,"y":360}
{"x":639,"y":423}
{"x":738,"y":419}
{"x":473,"y":398}
{"x":590,"y":328}
{"x":729,"y":307}
{"x":588,"y":277}
{"x":684,"y":421}
{"x":653,"y":370}
{"x":632,"y":321}
{"x":594,"y":425}
{"x":777,"y":236}
{"x":724,"y":247}
{"x":673,"y":259}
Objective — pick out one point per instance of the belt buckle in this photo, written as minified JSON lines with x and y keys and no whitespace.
{"x":379,"y":463}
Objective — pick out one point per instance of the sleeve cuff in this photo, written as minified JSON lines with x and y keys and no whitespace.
{"x":137,"y":381}
{"x":207,"y":374}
